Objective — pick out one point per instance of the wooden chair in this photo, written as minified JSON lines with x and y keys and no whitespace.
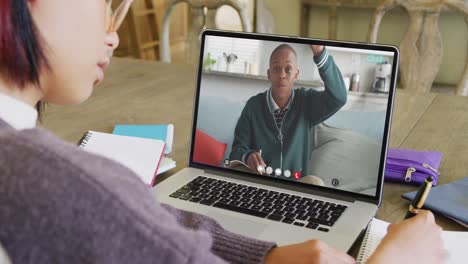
{"x":141,"y":44}
{"x":199,"y":19}
{"x":264,"y":20}
{"x":421,"y":47}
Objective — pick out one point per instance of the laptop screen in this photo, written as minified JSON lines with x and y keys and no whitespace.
{"x":286,"y":109}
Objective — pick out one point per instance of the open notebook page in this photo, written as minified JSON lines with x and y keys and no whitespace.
{"x":139,"y":154}
{"x":455,"y":242}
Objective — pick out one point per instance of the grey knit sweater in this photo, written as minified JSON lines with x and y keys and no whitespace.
{"x":59,"y":204}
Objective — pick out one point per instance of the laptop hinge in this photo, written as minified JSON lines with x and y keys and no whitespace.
{"x":292,"y":186}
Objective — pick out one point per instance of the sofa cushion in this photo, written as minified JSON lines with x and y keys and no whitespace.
{"x":217,"y":116}
{"x":208,"y":150}
{"x":346,"y":157}
{"x":370,"y":124}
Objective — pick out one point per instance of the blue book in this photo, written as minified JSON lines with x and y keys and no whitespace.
{"x":161,"y":132}
{"x":450,"y":200}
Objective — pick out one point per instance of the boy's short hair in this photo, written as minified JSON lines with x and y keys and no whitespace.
{"x":282,"y":47}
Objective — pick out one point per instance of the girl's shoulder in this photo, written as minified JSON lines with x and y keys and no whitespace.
{"x":38,"y":153}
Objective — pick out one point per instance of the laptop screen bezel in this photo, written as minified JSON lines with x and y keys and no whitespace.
{"x":308,"y":41}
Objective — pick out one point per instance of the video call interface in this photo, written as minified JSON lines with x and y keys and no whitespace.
{"x":307,"y":113}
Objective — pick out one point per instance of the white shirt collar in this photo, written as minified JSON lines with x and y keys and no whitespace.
{"x":275,"y":105}
{"x":16,"y":113}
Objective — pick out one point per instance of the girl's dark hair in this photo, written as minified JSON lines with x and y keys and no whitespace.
{"x":22,"y":56}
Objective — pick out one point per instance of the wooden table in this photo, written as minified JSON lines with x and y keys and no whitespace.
{"x":150,"y":92}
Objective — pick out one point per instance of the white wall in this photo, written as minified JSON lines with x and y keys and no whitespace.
{"x":258,"y":53}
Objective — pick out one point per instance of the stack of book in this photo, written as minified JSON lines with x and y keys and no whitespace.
{"x":141,"y":148}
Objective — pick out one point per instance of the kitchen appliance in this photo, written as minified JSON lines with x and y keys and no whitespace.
{"x":383,"y":73}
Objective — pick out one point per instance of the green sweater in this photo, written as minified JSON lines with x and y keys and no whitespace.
{"x":290,"y":148}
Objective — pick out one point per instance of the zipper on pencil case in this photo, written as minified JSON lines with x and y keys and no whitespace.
{"x":410,"y":161}
{"x":409,"y":173}
{"x":416,"y":165}
{"x":427,"y":166}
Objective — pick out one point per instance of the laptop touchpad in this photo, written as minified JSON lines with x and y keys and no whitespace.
{"x":238,"y":225}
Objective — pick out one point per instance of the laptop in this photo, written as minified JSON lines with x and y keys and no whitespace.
{"x":289,"y":136}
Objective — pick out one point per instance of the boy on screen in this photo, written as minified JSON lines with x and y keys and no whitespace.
{"x":272,"y":133}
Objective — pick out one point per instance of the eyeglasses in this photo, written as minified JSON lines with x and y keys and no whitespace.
{"x":115,"y":18}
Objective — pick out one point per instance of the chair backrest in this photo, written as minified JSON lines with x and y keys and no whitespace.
{"x":198,"y":20}
{"x":264,"y":20}
{"x":140,"y":31}
{"x":421,"y":47}
{"x":4,"y":259}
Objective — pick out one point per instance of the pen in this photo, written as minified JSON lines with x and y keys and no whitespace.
{"x":119,"y":15}
{"x":260,"y":168}
{"x":419,"y":198}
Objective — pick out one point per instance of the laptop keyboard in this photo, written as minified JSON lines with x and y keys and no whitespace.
{"x":276,"y":206}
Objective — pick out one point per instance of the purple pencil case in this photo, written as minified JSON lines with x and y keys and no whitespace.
{"x":412,"y":166}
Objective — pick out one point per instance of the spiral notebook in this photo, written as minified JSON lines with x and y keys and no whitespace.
{"x":455,"y":242}
{"x":141,"y":155}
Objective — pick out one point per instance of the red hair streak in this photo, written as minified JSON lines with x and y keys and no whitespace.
{"x":7,"y":38}
{"x":21,"y":55}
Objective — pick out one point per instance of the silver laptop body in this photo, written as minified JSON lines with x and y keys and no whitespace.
{"x":353,"y":183}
